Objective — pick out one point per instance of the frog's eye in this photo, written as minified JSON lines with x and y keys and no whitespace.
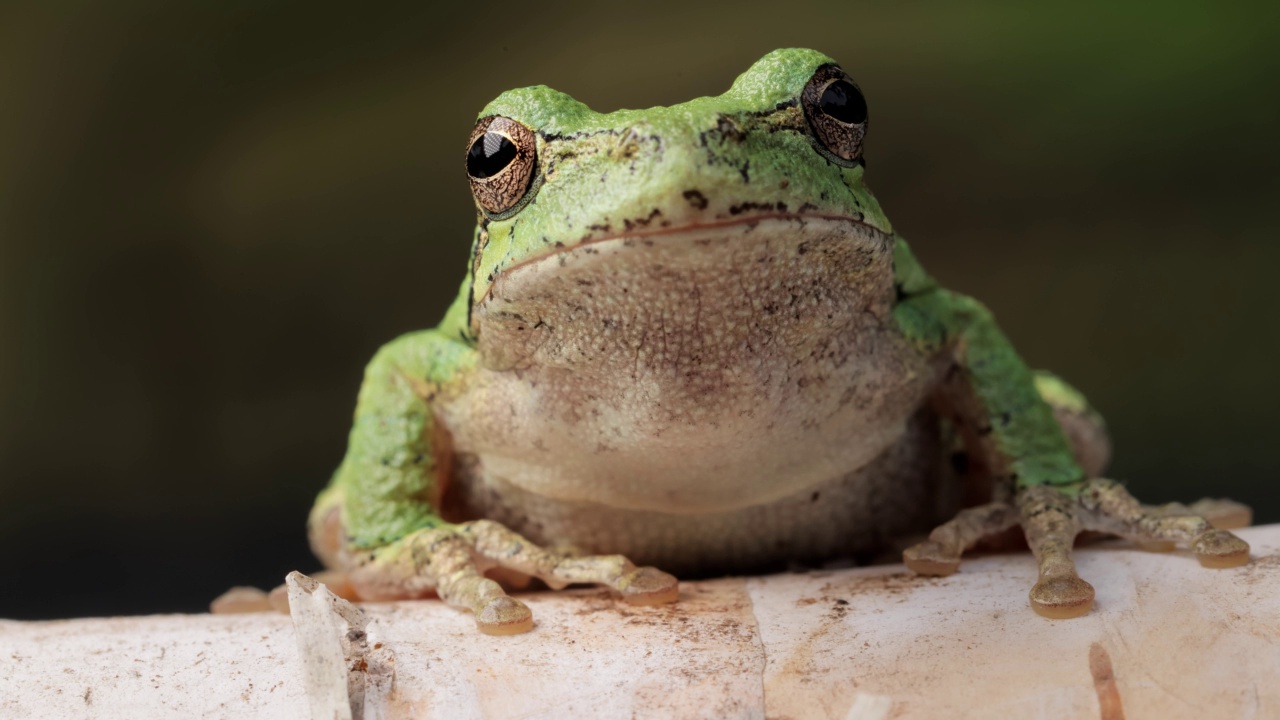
{"x":501,"y":160}
{"x":837,"y":114}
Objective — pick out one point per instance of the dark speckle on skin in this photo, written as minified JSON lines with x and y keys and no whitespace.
{"x":696,"y":199}
{"x":631,"y":224}
{"x":743,"y":207}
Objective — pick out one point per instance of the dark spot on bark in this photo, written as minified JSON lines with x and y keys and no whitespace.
{"x":1104,"y":683}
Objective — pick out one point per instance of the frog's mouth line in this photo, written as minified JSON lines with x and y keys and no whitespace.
{"x":867,"y":228}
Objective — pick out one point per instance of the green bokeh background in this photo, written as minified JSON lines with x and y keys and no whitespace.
{"x":212,"y":214}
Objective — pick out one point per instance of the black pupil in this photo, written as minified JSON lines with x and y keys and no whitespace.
{"x":842,"y":101}
{"x":489,"y":155}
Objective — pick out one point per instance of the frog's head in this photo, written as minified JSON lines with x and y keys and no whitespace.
{"x":783,"y":145}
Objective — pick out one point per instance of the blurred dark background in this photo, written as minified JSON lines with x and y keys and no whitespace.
{"x":212,"y":214}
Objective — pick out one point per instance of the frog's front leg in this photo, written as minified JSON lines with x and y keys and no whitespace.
{"x":1011,"y":431}
{"x":378,"y":520}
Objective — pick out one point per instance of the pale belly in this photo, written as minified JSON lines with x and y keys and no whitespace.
{"x":711,"y":400}
{"x":906,"y":490}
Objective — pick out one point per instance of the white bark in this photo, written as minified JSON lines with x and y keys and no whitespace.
{"x":1168,"y":639}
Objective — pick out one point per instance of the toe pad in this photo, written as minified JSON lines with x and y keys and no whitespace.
{"x":928,"y":558}
{"x":1062,"y":597}
{"x":1220,"y":549}
{"x":649,"y":586}
{"x":504,"y":616}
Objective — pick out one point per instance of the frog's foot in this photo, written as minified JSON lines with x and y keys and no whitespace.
{"x":1049,"y":521}
{"x":455,"y":558}
{"x":1051,"y":518}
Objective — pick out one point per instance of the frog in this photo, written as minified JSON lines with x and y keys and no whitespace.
{"x":689,"y":342}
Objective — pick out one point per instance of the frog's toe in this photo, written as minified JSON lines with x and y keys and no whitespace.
{"x":940,"y":554}
{"x":931,"y":558}
{"x":504,"y":615}
{"x":1220,"y":549}
{"x":1062,"y":597}
{"x":1050,"y":519}
{"x":1222,"y":513}
{"x":648,"y":586}
{"x":240,"y":600}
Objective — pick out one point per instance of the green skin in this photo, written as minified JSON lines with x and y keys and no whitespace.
{"x":600,"y":176}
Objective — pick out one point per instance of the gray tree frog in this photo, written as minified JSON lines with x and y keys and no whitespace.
{"x":689,"y":339}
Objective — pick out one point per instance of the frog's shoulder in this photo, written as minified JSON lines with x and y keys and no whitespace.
{"x":909,"y":276}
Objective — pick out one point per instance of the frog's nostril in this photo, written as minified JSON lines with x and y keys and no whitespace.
{"x":730,"y":129}
{"x":630,"y":143}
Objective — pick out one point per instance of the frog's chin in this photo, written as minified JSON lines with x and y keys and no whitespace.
{"x":703,"y":369}
{"x":740,"y":224}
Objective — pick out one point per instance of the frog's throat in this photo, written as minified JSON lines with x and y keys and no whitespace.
{"x":875,"y":233}
{"x":696,"y":370}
